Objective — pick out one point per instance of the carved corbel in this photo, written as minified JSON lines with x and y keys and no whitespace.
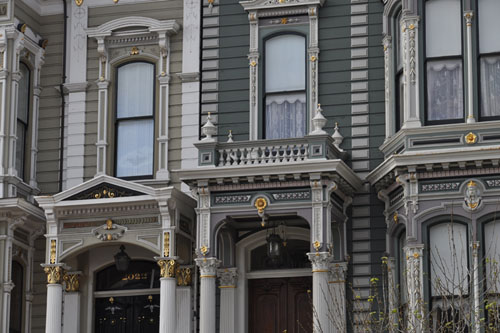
{"x":103,"y":58}
{"x":409,"y":182}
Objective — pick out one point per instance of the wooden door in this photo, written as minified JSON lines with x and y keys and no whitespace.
{"x":280,"y":305}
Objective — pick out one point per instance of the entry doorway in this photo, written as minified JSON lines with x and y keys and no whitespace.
{"x":280,"y":305}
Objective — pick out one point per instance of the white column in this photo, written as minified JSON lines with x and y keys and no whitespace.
{"x":470,"y":81}
{"x":476,"y":287}
{"x":393,"y":295}
{"x":227,"y":285}
{"x":321,"y":294}
{"x":208,"y":274}
{"x":168,"y":313}
{"x":414,"y":276}
{"x":53,"y":318}
{"x":71,"y":318}
{"x":184,"y":299}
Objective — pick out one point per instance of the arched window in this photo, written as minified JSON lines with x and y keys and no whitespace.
{"x":285,"y":87}
{"x":16,"y":298}
{"x":23,"y":106}
{"x":135,"y":120}
{"x":448,"y":259}
{"x":443,"y":51}
{"x":489,"y":59}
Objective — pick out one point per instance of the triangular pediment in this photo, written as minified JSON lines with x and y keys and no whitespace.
{"x":100,"y":187}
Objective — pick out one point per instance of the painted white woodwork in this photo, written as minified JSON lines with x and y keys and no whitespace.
{"x":470,"y":81}
{"x":75,"y":88}
{"x":208,"y":275}
{"x":102,"y":33}
{"x":389,"y":86}
{"x":71,"y":318}
{"x":476,"y":282}
{"x":168,"y":314}
{"x":53,"y":319}
{"x":228,"y":278}
{"x":410,"y":31}
{"x":320,"y":290}
{"x":414,"y":283}
{"x":264,"y":154}
{"x":184,"y":310}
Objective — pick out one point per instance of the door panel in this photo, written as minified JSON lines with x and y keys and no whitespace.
{"x":276,"y":305}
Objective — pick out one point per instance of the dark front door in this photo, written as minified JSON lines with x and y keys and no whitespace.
{"x":127,"y":314}
{"x":280,"y":305}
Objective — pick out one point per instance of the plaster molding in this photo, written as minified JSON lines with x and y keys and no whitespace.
{"x":273,"y":4}
{"x":107,"y":29}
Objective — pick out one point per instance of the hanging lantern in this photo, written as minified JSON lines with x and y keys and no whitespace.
{"x":122,"y":260}
{"x":274,"y":246}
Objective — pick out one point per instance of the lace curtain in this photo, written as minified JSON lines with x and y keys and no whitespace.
{"x":490,"y":86}
{"x":23,"y":102}
{"x":444,"y":90}
{"x":285,"y":116}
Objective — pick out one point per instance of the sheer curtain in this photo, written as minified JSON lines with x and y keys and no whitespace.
{"x":448,"y":258}
{"x":285,"y":116}
{"x":134,"y":120}
{"x":489,"y":49}
{"x":444,"y":90}
{"x":492,"y":256}
{"x":443,"y":38}
{"x":285,"y":84}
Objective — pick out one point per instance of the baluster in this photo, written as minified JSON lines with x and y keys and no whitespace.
{"x":221,"y":157}
{"x":306,"y":151}
{"x":244,"y":156}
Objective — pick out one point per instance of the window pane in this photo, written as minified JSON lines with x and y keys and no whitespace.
{"x":285,"y":63}
{"x":20,"y":147}
{"x":399,"y":42}
{"x":490,"y":86}
{"x":134,"y":156}
{"x":444,"y":89}
{"x":448,"y":248}
{"x":135,"y":90}
{"x":492,"y":256}
{"x":23,"y":97}
{"x":488,"y":21}
{"x":443,"y":31}
{"x":285,"y":116}
{"x":16,"y":299}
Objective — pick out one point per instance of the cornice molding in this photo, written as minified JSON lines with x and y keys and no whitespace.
{"x":274,"y":4}
{"x":153,"y":25}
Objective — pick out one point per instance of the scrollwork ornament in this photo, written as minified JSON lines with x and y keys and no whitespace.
{"x":54,"y":274}
{"x":167,"y":268}
{"x":183,"y":275}
{"x":72,"y":282}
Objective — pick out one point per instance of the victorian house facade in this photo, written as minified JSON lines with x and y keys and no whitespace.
{"x":249,"y":166}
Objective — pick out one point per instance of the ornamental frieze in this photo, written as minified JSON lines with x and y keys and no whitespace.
{"x":440,"y":187}
{"x":104,"y":191}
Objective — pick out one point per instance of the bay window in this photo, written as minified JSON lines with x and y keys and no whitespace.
{"x":444,"y":70}
{"x":489,"y":58}
{"x":135,"y":120}
{"x":285,"y":86}
{"x":23,"y":106}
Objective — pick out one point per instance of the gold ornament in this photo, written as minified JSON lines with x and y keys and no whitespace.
{"x":72,"y":282}
{"x":134,"y":51}
{"x":260,"y":204}
{"x":204,"y":250}
{"x":183,"y":275}
{"x":53,"y":251}
{"x":54,"y":274}
{"x":317,"y":245}
{"x":79,"y":2}
{"x":166,"y":244}
{"x":470,"y":138}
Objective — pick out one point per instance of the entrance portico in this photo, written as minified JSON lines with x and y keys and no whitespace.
{"x":86,"y":226}
{"x":240,"y":206}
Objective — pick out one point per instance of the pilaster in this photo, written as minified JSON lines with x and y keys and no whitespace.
{"x":389,"y":87}
{"x":410,"y":31}
{"x":337,"y":301}
{"x":228,"y":278}
{"x":414,"y":283}
{"x":71,"y":297}
{"x":468,"y":16}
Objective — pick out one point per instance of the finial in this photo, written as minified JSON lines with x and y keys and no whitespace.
{"x":319,"y":121}
{"x":337,"y":137}
{"x":208,"y":129}
{"x":230,"y":137}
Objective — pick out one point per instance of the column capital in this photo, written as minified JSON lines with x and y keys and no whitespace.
{"x":184,"y":275}
{"x":337,"y":272}
{"x":320,"y":261}
{"x":228,"y":277}
{"x":168,"y":267}
{"x":72,"y":280}
{"x":54,"y":273}
{"x":8,"y":286}
{"x":208,"y":267}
